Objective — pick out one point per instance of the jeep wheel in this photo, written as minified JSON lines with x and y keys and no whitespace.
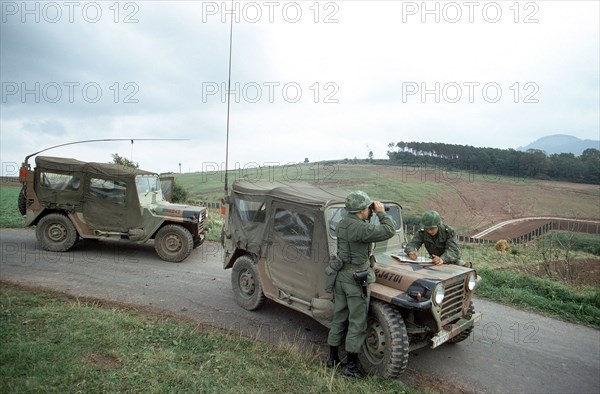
{"x":173,"y":243}
{"x":56,"y":233}
{"x":465,"y":334}
{"x":385,"y":350}
{"x":247,"y":289}
{"x":22,"y":202}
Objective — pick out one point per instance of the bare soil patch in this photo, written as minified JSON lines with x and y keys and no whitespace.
{"x":583,"y":272}
{"x":101,"y":361}
{"x":513,"y":230}
{"x":476,"y":202}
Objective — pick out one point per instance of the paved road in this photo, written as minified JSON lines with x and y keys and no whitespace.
{"x":510,"y":351}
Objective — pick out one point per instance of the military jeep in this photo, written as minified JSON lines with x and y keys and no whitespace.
{"x":278,"y":239}
{"x":66,"y":199}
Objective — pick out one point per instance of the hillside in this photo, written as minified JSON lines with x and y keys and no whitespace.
{"x":561,"y":143}
{"x":466,"y":200}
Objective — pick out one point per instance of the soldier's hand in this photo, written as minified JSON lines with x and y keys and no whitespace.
{"x":412,"y":255}
{"x":378,"y":206}
{"x":437,"y":260}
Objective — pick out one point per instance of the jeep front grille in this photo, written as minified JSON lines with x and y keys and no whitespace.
{"x":453,"y":300}
{"x":202,"y":222}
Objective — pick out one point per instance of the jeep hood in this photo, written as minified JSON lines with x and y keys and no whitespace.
{"x":410,"y":285}
{"x":186,"y":212}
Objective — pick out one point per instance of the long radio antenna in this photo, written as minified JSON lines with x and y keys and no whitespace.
{"x":229,"y":95}
{"x":106,"y":140}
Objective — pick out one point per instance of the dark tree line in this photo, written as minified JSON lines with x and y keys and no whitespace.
{"x":509,"y":162}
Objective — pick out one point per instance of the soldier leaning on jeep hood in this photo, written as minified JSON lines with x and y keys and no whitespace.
{"x":439,"y":240}
{"x":355,"y":236}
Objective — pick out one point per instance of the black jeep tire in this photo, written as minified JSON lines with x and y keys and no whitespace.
{"x":22,"y":202}
{"x":465,"y":334}
{"x":173,"y":243}
{"x":55,"y":232}
{"x":245,"y":282}
{"x":385,"y":350}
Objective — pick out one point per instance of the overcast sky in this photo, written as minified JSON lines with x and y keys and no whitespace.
{"x":317,"y":80}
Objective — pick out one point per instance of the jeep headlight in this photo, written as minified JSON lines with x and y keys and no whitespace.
{"x":471,"y":281}
{"x":438,"y":294}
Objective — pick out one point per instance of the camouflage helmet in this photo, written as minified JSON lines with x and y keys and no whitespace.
{"x":431,"y":219}
{"x":357,"y":201}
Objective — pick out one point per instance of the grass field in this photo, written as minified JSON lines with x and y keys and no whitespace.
{"x":467,"y":201}
{"x":471,"y":199}
{"x":384,"y":185}
{"x":512,"y":278}
{"x":9,"y":212}
{"x":54,"y":345}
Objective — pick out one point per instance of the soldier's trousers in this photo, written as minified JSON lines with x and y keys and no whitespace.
{"x":349,"y":312}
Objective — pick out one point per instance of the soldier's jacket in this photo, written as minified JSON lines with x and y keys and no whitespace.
{"x":444,"y":244}
{"x":354,"y":242}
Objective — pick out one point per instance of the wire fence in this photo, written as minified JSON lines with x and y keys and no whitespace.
{"x":577,"y":226}
{"x":9,"y":179}
{"x":570,"y":225}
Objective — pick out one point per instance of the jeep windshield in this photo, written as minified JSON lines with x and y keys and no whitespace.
{"x":336,"y":213}
{"x":148,"y":188}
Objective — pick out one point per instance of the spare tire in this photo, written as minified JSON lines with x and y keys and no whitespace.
{"x":22,"y":202}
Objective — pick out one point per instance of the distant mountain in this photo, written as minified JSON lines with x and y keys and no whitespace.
{"x":561,"y":143}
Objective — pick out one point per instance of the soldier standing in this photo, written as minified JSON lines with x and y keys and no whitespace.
{"x":355,"y":236}
{"x":439,"y":239}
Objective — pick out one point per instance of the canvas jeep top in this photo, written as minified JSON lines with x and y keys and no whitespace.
{"x":66,"y":199}
{"x":278,"y":238}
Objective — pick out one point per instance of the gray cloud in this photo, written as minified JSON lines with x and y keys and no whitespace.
{"x":152,"y":78}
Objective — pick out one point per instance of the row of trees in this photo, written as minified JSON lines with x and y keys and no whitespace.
{"x":509,"y":162}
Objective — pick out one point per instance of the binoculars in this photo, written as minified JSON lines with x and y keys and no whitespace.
{"x":386,"y":207}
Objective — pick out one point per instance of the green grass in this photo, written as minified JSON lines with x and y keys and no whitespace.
{"x":53,"y":345}
{"x":506,"y":280}
{"x":389,"y":184}
{"x":416,"y":188}
{"x":386,"y":185}
{"x":214,"y":225}
{"x":589,"y":243}
{"x":9,"y":211}
{"x":541,"y":295}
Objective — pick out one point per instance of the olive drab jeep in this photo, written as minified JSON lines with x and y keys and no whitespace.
{"x":278,"y":239}
{"x":66,"y":199}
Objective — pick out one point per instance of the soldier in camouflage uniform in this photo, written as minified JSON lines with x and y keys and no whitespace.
{"x":354,"y":241}
{"x":440,"y":241}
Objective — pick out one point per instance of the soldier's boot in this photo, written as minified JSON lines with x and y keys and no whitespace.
{"x":333,"y":360}
{"x":351,"y":369}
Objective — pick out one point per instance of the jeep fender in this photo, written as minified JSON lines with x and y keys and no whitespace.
{"x":398,"y":298}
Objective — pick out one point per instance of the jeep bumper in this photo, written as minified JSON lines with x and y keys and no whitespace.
{"x":449,"y":331}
